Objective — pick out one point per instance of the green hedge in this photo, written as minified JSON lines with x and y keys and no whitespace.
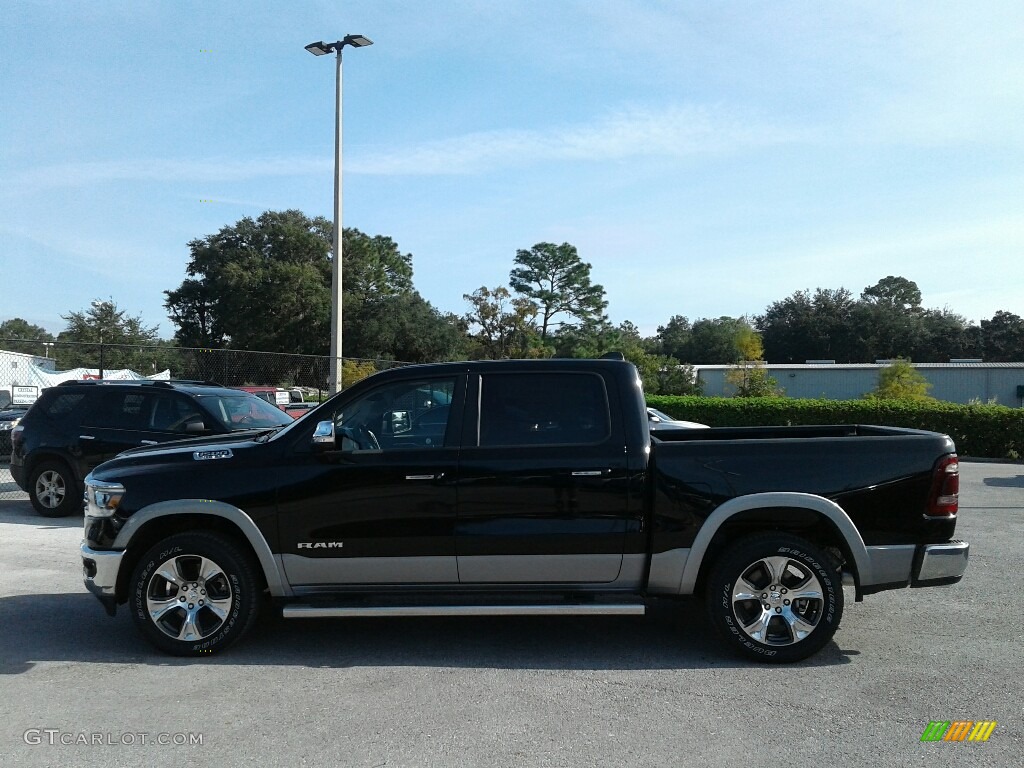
{"x":984,"y":431}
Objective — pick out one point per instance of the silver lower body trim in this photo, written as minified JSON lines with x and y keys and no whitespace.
{"x":100,"y":571}
{"x":304,"y":571}
{"x":943,"y":561}
{"x":667,"y":571}
{"x":890,"y":564}
{"x":580,"y":609}
{"x":525,"y":569}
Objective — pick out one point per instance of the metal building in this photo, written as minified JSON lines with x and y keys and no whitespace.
{"x":957,"y":382}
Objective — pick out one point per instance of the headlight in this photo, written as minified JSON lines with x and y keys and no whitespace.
{"x":6,"y":426}
{"x":102,"y":498}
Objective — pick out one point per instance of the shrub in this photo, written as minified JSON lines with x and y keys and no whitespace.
{"x":986,"y":431}
{"x":900,"y":381}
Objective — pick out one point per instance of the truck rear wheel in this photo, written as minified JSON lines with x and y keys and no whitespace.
{"x":775,"y":598}
{"x":194,"y":593}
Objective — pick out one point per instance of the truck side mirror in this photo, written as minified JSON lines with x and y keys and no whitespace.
{"x":323,"y":437}
{"x":195,"y":425}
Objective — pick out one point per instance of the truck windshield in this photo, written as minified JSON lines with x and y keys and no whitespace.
{"x":243,"y":411}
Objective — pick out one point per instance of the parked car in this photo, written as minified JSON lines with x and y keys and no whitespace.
{"x":519,"y":487}
{"x":10,"y":416}
{"x":76,"y":425}
{"x":659,"y":421}
{"x":291,"y":401}
{"x":299,"y":409}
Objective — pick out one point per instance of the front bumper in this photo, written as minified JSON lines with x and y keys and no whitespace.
{"x":18,"y":473}
{"x":99,"y":571}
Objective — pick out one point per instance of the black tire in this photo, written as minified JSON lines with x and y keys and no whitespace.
{"x":775,"y":597}
{"x":194,"y":594}
{"x":54,"y":490}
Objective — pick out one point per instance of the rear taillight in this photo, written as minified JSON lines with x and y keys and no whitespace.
{"x":16,"y":434}
{"x":944,"y":499}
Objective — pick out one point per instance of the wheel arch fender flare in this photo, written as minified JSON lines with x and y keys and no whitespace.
{"x":276,"y":582}
{"x":818,"y":504}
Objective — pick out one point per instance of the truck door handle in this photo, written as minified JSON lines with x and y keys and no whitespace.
{"x":591,"y":473}
{"x":438,"y":476}
{"x":87,"y":437}
{"x":148,"y":442}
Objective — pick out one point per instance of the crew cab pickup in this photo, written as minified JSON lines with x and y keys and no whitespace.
{"x":518,"y":487}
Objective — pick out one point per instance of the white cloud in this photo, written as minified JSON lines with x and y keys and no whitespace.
{"x":162,"y":170}
{"x":632,"y":132}
{"x":629,"y":133}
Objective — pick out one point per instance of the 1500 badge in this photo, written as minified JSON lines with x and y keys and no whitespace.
{"x":320,"y":544}
{"x":221,"y":453}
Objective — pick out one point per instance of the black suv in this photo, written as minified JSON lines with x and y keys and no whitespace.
{"x":77,"y":425}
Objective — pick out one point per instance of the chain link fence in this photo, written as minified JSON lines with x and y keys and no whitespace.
{"x":29,"y":366}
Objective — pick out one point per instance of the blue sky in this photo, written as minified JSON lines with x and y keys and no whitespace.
{"x":707,"y":158}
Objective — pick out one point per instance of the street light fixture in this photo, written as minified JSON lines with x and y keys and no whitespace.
{"x":320,"y":48}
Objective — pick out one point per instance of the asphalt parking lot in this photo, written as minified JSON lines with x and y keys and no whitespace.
{"x":82,"y":689}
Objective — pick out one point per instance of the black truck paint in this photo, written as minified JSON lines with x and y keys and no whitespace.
{"x":518,"y":487}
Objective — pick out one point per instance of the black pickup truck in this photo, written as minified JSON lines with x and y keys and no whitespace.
{"x":513,"y":488}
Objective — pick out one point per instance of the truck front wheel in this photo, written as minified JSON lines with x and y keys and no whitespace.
{"x":775,"y":598}
{"x":194,"y":593}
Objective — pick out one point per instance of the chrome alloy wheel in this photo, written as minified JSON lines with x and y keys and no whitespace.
{"x":50,"y":488}
{"x":189,"y":597}
{"x":777,"y":601}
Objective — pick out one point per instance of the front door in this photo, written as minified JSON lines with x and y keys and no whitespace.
{"x":378,"y":508}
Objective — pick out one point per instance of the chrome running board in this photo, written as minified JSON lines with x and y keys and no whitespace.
{"x":302,"y":610}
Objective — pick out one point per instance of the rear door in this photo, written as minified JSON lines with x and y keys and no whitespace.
{"x":543,"y":491}
{"x":114,"y":422}
{"x":120,"y":418}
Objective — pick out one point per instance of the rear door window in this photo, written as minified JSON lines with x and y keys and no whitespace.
{"x":543,"y":409}
{"x":113,"y":409}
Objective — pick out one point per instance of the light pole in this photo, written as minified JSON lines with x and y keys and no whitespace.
{"x":319,"y":49}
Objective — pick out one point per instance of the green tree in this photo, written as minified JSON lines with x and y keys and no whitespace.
{"x":374,"y":267}
{"x":673,"y":378}
{"x":259,"y":284}
{"x":126,"y":342}
{"x":18,"y":335}
{"x":674,"y":338}
{"x":806,"y":326}
{"x":555,"y":279}
{"x":502,"y":326}
{"x":265,"y":284}
{"x":353,"y":371}
{"x":897,"y":293}
{"x":1003,"y":338}
{"x":900,"y":381}
{"x":887,"y":322}
{"x":943,"y":335}
{"x":713,"y":340}
{"x":750,"y":377}
{"x":406,"y":327}
{"x":661,"y":374}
